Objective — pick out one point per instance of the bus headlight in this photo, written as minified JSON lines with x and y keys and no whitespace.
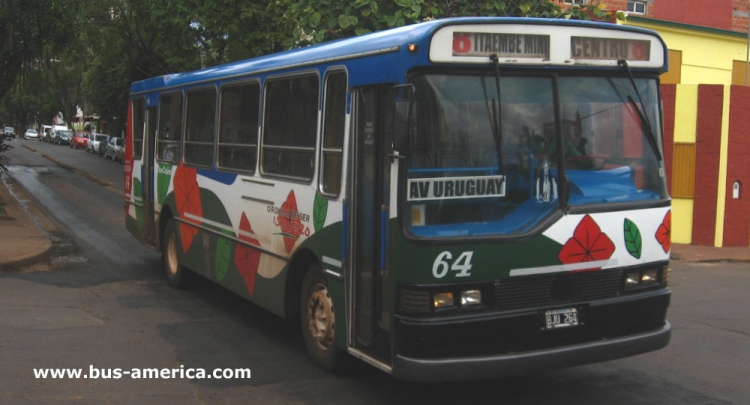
{"x":641,"y":279}
{"x":632,"y":279}
{"x":471,"y":297}
{"x":650,"y":276}
{"x":442,"y":300}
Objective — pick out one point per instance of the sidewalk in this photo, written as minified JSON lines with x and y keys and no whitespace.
{"x":21,"y":241}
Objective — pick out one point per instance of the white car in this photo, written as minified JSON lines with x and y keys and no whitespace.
{"x":93,"y":143}
{"x":31,"y":134}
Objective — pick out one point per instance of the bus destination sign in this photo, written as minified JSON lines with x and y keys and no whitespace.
{"x":609,"y":49}
{"x":446,"y":188}
{"x":504,"y":45}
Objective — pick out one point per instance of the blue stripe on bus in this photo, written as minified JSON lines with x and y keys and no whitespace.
{"x":221,"y":177}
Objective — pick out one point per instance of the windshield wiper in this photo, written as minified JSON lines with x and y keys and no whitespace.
{"x":641,"y":110}
{"x":497,"y":129}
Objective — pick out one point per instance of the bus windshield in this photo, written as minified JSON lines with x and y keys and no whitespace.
{"x":468,"y":176}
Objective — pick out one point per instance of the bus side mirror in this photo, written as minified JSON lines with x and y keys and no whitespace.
{"x":401,"y":130}
{"x":404,"y":125}
{"x":404,"y":122}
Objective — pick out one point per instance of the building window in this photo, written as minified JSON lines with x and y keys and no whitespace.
{"x":290,"y":127}
{"x":574,"y":1}
{"x":683,"y":170}
{"x":238,"y":127}
{"x":637,"y":7}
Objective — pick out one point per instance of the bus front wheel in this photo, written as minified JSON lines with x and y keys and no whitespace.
{"x":318,"y":321}
{"x":176,"y":273}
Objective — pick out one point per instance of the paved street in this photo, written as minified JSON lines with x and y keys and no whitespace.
{"x":101,"y":301}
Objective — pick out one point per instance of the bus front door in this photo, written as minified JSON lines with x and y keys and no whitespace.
{"x":148,"y":177}
{"x":370,"y":194}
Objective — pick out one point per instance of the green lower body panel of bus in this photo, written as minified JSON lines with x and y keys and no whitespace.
{"x":520,"y":342}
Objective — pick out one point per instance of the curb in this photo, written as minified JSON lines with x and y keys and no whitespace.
{"x":14,"y":264}
{"x":38,"y":236}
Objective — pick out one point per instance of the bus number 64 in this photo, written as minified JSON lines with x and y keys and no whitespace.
{"x":462,"y":264}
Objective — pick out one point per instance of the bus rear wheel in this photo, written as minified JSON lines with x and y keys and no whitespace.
{"x":176,"y":274}
{"x":318,"y":321}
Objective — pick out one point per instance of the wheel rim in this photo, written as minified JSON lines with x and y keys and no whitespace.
{"x":171,"y":254}
{"x":320,"y":317}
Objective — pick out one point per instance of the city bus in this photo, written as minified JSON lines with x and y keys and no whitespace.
{"x":457,"y":199}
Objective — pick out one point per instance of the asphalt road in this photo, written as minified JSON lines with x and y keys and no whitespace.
{"x":102,"y":302}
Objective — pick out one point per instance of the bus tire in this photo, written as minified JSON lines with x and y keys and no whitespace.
{"x":317,"y":319}
{"x":177,"y":274}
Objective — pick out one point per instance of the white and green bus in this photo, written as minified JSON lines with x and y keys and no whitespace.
{"x":456,"y":199}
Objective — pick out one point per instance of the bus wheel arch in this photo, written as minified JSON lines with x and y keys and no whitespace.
{"x":177,"y":274}
{"x":318,"y":321}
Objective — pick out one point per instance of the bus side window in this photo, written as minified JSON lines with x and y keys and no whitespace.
{"x":238,"y":127}
{"x":139,"y":124}
{"x":290,"y":126}
{"x":170,"y":128}
{"x":201,"y":121}
{"x":334,"y":118}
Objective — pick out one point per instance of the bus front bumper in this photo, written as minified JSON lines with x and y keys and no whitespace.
{"x":512,"y":344}
{"x":484,"y":367}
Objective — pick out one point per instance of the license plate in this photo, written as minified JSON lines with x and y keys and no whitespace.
{"x":561,"y":318}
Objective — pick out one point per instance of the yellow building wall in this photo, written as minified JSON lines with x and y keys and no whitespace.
{"x":685,"y":113}
{"x":682,"y":220}
{"x":685,"y":127}
{"x":707,"y":56}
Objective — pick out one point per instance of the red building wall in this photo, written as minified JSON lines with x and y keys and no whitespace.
{"x":668,"y":94}
{"x":720,"y":14}
{"x":737,"y":211}
{"x":714,"y":13}
{"x":707,"y":156}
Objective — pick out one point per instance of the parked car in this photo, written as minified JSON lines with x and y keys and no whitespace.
{"x":62,"y":137}
{"x":80,"y":139}
{"x":31,"y":134}
{"x":113,"y":148}
{"x":49,"y":136}
{"x":9,"y":132}
{"x":45,"y":133}
{"x":94,"y":143}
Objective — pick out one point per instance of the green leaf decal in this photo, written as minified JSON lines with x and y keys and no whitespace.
{"x":223,"y":256}
{"x":633,"y":241}
{"x":139,"y":216}
{"x":320,"y":211}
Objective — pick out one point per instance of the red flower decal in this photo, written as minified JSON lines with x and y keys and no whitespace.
{"x":246,"y":258}
{"x":187,"y":195}
{"x":588,"y":244}
{"x":664,"y":233}
{"x":289,"y":222}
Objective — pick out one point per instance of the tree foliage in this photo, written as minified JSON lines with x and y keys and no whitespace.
{"x":323,"y":20}
{"x":61,"y":53}
{"x":27,"y":27}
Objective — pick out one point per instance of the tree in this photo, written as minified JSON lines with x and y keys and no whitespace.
{"x":318,"y":21}
{"x":27,"y":27}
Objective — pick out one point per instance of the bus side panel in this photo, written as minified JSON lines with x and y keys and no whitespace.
{"x":133,"y":190}
{"x":218,"y":235}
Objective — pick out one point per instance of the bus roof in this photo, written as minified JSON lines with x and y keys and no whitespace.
{"x":392,"y":40}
